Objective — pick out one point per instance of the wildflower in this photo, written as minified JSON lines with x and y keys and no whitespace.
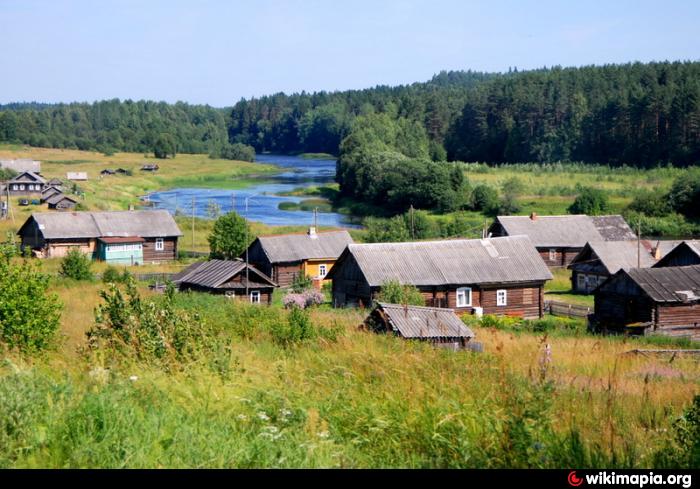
{"x":133,"y":378}
{"x":262,"y":415}
{"x":242,"y":417}
{"x":271,"y":429}
{"x":323,"y":434}
{"x":285,"y":412}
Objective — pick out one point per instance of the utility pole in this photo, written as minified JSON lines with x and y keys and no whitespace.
{"x":413,"y":227}
{"x":233,"y":202}
{"x":247,"y":293}
{"x":193,"y":210}
{"x":316,"y":218}
{"x":639,"y":243}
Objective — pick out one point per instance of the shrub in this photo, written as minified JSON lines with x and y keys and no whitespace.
{"x":76,"y":265}
{"x":297,"y":329}
{"x":301,"y":283}
{"x":112,"y":276}
{"x":684,"y":450}
{"x":590,"y":201}
{"x":149,"y":329}
{"x":303,"y":300}
{"x":228,"y":238}
{"x":485,"y":199}
{"x":29,"y":314}
{"x":393,"y":292}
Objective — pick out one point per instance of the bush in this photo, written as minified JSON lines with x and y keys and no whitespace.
{"x":301,"y":283}
{"x":76,"y":265}
{"x":485,"y":199}
{"x":303,"y":300}
{"x":590,"y":201}
{"x":652,"y":203}
{"x":235,"y":151}
{"x":297,"y":329}
{"x":112,"y":275}
{"x":29,"y":314}
{"x":684,"y":450}
{"x":152,"y":330}
{"x":393,"y":292}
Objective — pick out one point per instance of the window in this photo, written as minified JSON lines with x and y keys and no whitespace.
{"x":322,"y":271}
{"x":30,"y":186}
{"x":255,"y":297}
{"x":160,"y":245}
{"x":581,"y":281}
{"x":552,"y":254}
{"x":464,"y":297}
{"x":502,"y":297}
{"x":21,"y":187}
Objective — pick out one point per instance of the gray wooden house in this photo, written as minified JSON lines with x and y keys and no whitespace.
{"x":503,"y":276}
{"x":441,"y":327}
{"x":686,"y":253}
{"x":26,"y":183}
{"x":559,"y":239}
{"x":662,"y":300}
{"x":52,"y":234}
{"x":227,"y":277}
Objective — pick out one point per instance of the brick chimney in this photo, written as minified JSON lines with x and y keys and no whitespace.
{"x":533,"y":216}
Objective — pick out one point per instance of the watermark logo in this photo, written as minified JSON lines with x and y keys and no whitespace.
{"x":574,"y":480}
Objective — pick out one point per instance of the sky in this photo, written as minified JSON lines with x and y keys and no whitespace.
{"x":217,"y":52}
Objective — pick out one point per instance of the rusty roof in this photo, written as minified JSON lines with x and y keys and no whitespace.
{"x":511,"y":259}
{"x":424,"y":322}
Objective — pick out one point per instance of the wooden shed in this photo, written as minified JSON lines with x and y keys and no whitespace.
{"x":559,"y":239}
{"x":286,"y":256}
{"x":61,"y":202}
{"x":228,"y":277}
{"x":441,"y":327}
{"x":686,"y":253}
{"x":650,"y":300}
{"x":503,"y":276}
{"x":52,"y":234}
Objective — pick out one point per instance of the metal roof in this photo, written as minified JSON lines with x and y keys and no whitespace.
{"x":669,"y":284}
{"x":65,"y":225}
{"x":212,"y":274}
{"x":616,"y":255}
{"x":510,"y":259}
{"x":76,"y":175}
{"x":425,"y":322}
{"x":28,"y":176}
{"x":58,"y":197}
{"x":296,"y":247}
{"x":21,"y":165}
{"x":567,"y":231}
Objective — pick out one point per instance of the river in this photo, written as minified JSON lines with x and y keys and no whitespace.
{"x":263,"y":197}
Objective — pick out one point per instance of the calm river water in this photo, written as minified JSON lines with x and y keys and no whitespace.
{"x":264,"y":197}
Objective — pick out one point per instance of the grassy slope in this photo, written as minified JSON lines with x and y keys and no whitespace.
{"x":363,"y":401}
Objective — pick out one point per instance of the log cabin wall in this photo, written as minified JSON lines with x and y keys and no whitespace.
{"x":285,"y":273}
{"x":169,"y":252}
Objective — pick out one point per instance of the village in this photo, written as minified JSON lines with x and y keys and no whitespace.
{"x":640,"y":286}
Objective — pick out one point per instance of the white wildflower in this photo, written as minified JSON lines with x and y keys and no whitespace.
{"x":285,"y":412}
{"x":262,"y":415}
{"x":323,"y":434}
{"x":242,"y":417}
{"x":133,"y":378}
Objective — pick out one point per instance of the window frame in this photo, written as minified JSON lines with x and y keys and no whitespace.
{"x":257,"y":295}
{"x":552,"y":254}
{"x":160,"y":244}
{"x":499,"y":302}
{"x":322,"y":270}
{"x":466,"y":294}
{"x":581,"y":282}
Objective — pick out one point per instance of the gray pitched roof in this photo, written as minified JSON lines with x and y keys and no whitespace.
{"x":56,"y":198}
{"x":21,"y":165}
{"x":296,"y":247}
{"x":616,"y":255}
{"x":567,"y":231}
{"x":147,"y":224}
{"x":425,"y":322}
{"x":28,"y":176}
{"x":509,"y":259}
{"x":212,"y":274}
{"x":670,"y":284}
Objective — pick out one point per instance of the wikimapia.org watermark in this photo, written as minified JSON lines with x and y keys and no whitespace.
{"x":639,"y":480}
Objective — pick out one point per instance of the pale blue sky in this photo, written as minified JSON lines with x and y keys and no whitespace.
{"x":208,"y":51}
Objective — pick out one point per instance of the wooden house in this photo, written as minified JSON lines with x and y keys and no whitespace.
{"x":26,"y":183}
{"x":441,"y":327}
{"x":601,"y":259}
{"x":227,"y":277}
{"x":52,"y":234}
{"x":286,"y":256}
{"x":107,"y":172}
{"x":503,"y":276}
{"x":49,"y":192}
{"x":150,"y":167}
{"x":559,"y":239}
{"x":55,"y":182}
{"x":77,"y":176}
{"x":686,"y":253}
{"x":61,"y":202}
{"x":662,"y":300}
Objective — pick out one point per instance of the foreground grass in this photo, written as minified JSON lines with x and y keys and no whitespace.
{"x":358,"y":400}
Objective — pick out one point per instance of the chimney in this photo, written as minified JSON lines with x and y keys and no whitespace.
{"x":533,"y":216}
{"x":312,"y":232}
{"x":657,"y":251}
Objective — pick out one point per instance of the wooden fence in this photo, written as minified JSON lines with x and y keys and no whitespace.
{"x":567,"y":310}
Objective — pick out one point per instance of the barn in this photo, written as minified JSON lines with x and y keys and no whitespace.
{"x":599,"y":260}
{"x":61,"y":202}
{"x":52,"y":234}
{"x":559,"y":239}
{"x":227,"y":277}
{"x":686,"y":253}
{"x":503,"y":276}
{"x":650,"y":300}
{"x":286,"y":256}
{"x":441,"y":327}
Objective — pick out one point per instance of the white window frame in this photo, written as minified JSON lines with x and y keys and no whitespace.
{"x":581,"y":282}
{"x":21,"y":187}
{"x":255,"y":297}
{"x":464,"y":297}
{"x":160,"y":244}
{"x":552,"y":254}
{"x":501,"y":297}
{"x":322,"y":270}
